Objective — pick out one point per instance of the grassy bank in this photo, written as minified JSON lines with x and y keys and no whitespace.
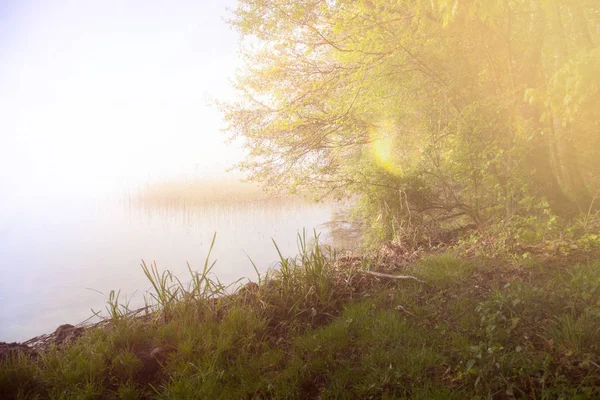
{"x":321,"y":327}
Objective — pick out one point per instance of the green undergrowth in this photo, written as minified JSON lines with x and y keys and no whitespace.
{"x":316,"y":329}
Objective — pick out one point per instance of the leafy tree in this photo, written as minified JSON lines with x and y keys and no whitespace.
{"x":436,"y":114}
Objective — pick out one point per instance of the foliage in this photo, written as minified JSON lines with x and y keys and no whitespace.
{"x":537,"y":232}
{"x":436,"y":114}
{"x":475,"y":330}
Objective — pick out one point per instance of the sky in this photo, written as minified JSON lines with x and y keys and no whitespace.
{"x":103,"y":94}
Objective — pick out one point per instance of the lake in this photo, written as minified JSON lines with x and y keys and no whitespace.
{"x":60,"y":258}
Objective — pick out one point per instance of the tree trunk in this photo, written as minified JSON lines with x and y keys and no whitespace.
{"x":562,"y":152}
{"x":544,"y":156}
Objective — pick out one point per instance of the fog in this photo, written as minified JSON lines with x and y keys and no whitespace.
{"x":100,"y":96}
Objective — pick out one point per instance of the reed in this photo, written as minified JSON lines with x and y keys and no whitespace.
{"x":204,"y":193}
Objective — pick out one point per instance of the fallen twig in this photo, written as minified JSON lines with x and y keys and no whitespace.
{"x":401,"y":308}
{"x":382,"y":275}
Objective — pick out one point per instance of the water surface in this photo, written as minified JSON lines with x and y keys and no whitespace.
{"x":60,"y":258}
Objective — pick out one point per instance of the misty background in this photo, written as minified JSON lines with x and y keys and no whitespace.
{"x":99,"y":96}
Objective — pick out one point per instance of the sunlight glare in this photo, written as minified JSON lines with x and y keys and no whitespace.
{"x":383,"y":147}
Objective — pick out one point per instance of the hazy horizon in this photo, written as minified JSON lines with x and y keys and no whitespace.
{"x":100,"y":95}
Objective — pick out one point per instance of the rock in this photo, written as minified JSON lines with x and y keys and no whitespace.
{"x":152,"y":361}
{"x":66,"y":333}
{"x":7,"y":349}
{"x":160,"y":353}
{"x":251,"y":287}
{"x":150,"y":365}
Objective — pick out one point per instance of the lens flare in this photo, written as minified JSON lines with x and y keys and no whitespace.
{"x":384,"y":147}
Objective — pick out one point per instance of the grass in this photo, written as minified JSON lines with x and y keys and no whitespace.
{"x":316,"y":329}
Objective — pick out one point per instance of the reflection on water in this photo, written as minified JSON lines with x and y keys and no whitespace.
{"x":51,"y":255}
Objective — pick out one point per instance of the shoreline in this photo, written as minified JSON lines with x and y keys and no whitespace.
{"x":319,"y":325}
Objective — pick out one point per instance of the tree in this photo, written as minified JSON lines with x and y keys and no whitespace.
{"x":436,"y":114}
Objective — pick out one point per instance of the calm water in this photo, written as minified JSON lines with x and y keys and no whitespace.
{"x":55,"y":256}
